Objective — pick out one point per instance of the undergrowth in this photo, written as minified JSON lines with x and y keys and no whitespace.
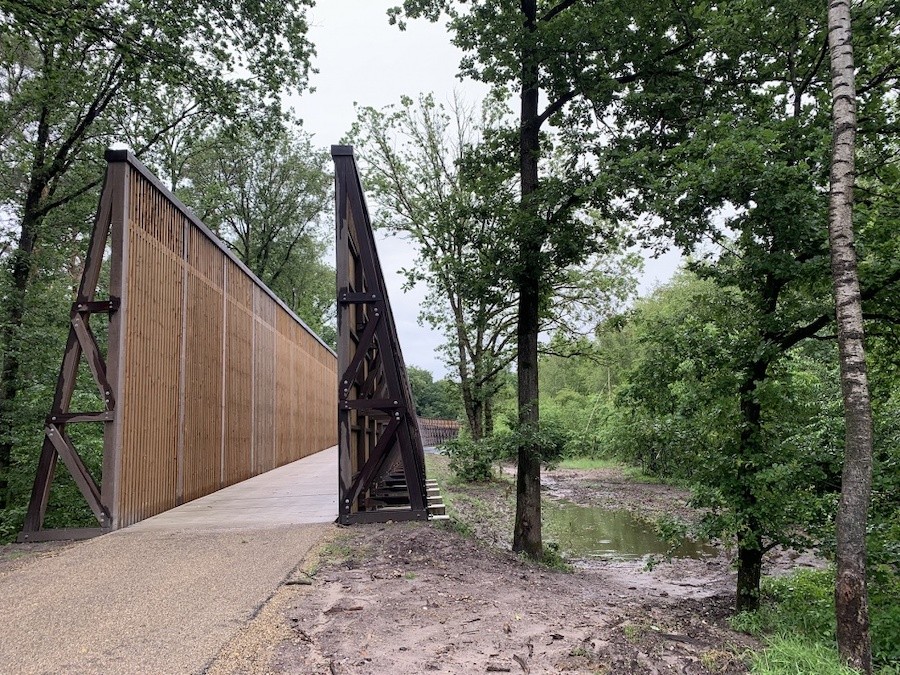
{"x":471,"y":515}
{"x":796,"y":616}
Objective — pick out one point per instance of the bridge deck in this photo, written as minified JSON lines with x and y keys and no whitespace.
{"x":165,"y":595}
{"x":301,"y":492}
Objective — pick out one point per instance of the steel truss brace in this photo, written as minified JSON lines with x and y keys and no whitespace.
{"x":82,"y":342}
{"x":382,"y":463}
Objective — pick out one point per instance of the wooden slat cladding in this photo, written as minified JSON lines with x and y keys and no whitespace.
{"x":219,"y":381}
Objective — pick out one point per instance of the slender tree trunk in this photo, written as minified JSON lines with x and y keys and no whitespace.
{"x":750,"y":546}
{"x":489,"y":416}
{"x":851,"y":601}
{"x":527,"y":531}
{"x":465,"y":378}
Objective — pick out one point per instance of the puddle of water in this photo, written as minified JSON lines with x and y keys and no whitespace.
{"x":589,"y":532}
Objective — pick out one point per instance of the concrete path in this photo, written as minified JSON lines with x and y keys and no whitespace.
{"x":165,"y":595}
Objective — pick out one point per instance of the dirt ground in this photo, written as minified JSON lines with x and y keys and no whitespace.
{"x":451,"y":598}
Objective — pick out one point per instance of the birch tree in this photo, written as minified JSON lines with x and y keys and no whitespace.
{"x":851,"y":601}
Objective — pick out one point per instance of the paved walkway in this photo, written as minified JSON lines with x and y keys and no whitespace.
{"x":165,"y":595}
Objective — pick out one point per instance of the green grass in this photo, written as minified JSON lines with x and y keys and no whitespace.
{"x":797,"y":656}
{"x":633,"y":473}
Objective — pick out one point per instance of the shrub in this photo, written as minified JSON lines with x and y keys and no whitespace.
{"x":470,"y":460}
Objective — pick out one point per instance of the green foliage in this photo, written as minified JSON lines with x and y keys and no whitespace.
{"x":470,"y":460}
{"x":75,"y":78}
{"x":553,"y":559}
{"x":265,"y":190}
{"x":800,"y":609}
{"x":680,"y":415}
{"x":578,"y":418}
{"x":418,"y":164}
{"x":440,"y":399}
{"x":796,"y":656}
{"x":39,"y":346}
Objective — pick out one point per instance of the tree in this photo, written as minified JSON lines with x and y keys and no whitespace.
{"x":68,"y":74}
{"x":733,"y":161}
{"x":680,"y":412}
{"x":578,"y":55}
{"x":435,"y":399}
{"x":444,"y":179}
{"x":264,"y":189}
{"x":418,"y":160}
{"x":851,"y":597}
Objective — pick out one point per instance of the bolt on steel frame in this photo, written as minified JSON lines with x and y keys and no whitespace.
{"x":382,"y":462}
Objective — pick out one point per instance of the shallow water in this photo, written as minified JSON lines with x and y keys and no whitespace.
{"x":590,"y":532}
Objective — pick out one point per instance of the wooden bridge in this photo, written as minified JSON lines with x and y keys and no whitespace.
{"x":207,"y":378}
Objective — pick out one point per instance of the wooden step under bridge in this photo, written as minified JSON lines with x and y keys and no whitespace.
{"x":204,"y":378}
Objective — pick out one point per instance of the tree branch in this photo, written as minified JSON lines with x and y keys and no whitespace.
{"x":556,"y":10}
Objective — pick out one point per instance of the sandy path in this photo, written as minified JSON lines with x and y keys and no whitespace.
{"x":165,"y":595}
{"x":142,"y":602}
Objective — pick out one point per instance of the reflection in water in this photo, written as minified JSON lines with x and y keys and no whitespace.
{"x":593,"y":532}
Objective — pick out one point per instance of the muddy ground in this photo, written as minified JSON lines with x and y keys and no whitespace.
{"x":451,"y":598}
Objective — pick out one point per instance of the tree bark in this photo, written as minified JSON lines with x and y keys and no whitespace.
{"x":749,"y":574}
{"x":527,"y":530}
{"x":851,"y":601}
{"x":750,"y":546}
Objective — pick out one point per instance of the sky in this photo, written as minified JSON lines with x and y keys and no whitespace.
{"x":362,"y":59}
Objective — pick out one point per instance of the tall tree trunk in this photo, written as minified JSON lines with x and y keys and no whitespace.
{"x":851,"y":601}
{"x":749,"y":540}
{"x":527,"y":530}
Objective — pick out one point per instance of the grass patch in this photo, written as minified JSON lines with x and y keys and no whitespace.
{"x":633,"y":473}
{"x":633,"y":632}
{"x":797,"y":656}
{"x":719,"y":660}
{"x":553,"y":559}
{"x":456,"y":501}
{"x":484,"y":510}
{"x":337,"y":550}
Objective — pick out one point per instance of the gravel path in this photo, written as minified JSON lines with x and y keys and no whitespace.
{"x":143,"y":602}
{"x":166,"y":595}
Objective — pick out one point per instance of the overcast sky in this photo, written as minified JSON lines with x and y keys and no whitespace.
{"x":362,"y":59}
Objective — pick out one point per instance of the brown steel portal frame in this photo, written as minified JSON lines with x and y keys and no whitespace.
{"x":382,"y":463}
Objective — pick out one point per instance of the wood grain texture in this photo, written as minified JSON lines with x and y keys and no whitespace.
{"x":258,"y":387}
